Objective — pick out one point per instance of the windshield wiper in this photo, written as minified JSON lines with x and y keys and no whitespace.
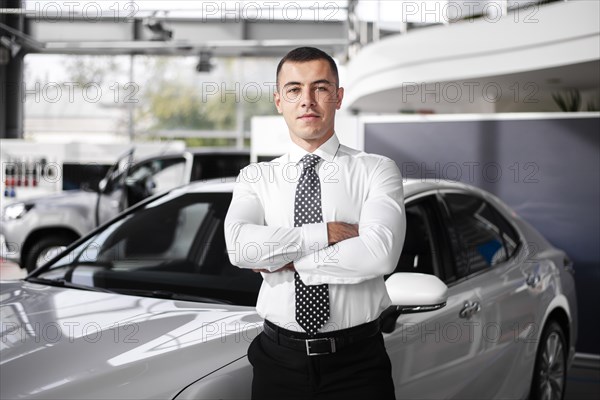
{"x":165,"y":294}
{"x":66,"y":284}
{"x":76,"y":264}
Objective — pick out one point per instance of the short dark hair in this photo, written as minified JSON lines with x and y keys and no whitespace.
{"x":305,"y":54}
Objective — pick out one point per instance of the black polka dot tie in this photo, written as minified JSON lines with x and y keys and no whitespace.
{"x":312,"y":302}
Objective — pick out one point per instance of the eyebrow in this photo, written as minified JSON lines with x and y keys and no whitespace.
{"x":312,"y":83}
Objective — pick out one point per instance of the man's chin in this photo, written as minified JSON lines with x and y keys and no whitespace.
{"x":310,"y":136}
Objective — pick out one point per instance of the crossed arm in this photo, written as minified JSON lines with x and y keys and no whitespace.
{"x":346,"y":253}
{"x":336,"y":232}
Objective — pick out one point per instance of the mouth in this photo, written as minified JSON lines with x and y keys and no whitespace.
{"x":308,"y":117}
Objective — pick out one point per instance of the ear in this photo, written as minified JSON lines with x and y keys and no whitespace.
{"x":340,"y":97}
{"x":277,"y":98}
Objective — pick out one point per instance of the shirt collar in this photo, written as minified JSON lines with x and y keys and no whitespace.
{"x":326,"y":151}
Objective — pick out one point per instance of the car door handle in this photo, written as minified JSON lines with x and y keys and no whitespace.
{"x":469,"y":309}
{"x":532,"y":280}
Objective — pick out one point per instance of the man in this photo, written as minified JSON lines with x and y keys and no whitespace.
{"x":323,"y":224}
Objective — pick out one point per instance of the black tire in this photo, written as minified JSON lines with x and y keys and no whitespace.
{"x":550,"y":372}
{"x":38,"y":253}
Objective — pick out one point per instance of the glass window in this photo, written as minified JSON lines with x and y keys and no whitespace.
{"x":169,"y":176}
{"x":158,"y":236}
{"x":139,"y":97}
{"x":173,"y":247}
{"x":83,"y":176}
{"x":509,"y":235}
{"x":208,"y":166}
{"x":154,"y":176}
{"x":417,"y":251}
{"x":478,"y":241}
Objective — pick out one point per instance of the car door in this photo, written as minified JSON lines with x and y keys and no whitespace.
{"x":432,"y":353}
{"x":153,"y":176}
{"x":112,"y":197}
{"x":505,"y":307}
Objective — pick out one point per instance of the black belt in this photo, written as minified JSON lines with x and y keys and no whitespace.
{"x":322,"y":343}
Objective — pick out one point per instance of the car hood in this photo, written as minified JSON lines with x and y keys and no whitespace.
{"x":68,"y":343}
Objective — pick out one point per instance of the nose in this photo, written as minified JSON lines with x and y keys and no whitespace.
{"x":307,"y":99}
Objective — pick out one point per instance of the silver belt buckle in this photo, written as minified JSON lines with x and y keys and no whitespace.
{"x":309,"y":341}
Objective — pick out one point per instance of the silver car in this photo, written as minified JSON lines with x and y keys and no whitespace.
{"x":149,"y":306}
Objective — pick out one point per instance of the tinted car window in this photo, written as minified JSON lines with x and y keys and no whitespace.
{"x":173,"y":246}
{"x":417,"y":251}
{"x":509,"y":235}
{"x":478,"y":237}
{"x":154,"y":176}
{"x":427,"y":247}
{"x":208,"y":166}
{"x":77,"y":176}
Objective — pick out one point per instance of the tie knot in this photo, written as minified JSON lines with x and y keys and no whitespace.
{"x":310,"y":160}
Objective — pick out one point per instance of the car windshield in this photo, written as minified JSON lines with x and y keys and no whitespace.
{"x":171,"y":247}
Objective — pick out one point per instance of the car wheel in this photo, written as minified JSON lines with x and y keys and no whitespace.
{"x":45,"y":249}
{"x":550,"y":373}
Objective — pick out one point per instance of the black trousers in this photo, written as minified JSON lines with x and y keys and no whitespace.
{"x":359,"y":371}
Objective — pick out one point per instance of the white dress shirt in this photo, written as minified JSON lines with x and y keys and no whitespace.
{"x":356,"y":188}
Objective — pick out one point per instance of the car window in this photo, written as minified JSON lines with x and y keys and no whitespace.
{"x":509,"y":235}
{"x":477,"y":239}
{"x":208,"y":166}
{"x":160,"y":235}
{"x":174,"y":245}
{"x":154,"y":176}
{"x":417,"y":251}
{"x":169,"y":176}
{"x":426,"y":249}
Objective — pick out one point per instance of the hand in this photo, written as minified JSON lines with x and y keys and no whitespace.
{"x":338,"y":231}
{"x":286,"y":267}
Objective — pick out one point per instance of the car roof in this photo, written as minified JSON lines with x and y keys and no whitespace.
{"x":411,"y":186}
{"x":213,"y":151}
{"x":217,"y":150}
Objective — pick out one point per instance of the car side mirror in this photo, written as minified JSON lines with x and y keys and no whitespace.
{"x":411,"y":293}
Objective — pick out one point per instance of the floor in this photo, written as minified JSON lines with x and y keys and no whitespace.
{"x":583,"y":381}
{"x":10,"y":271}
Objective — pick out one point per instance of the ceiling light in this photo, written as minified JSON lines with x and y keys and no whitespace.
{"x":205,"y":63}
{"x":159,"y":32}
